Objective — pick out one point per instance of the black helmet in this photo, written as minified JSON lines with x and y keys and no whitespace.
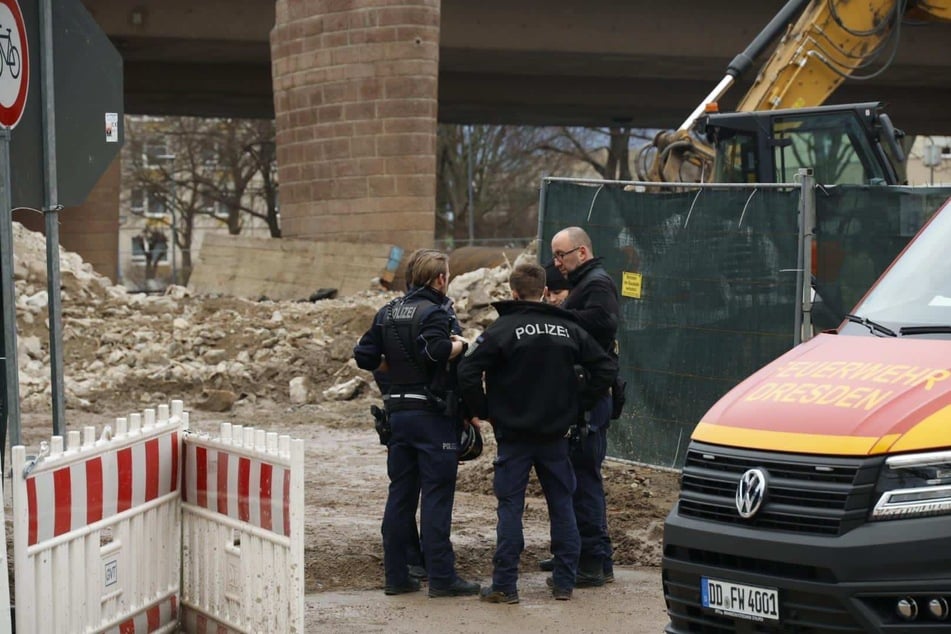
{"x":470,"y":442}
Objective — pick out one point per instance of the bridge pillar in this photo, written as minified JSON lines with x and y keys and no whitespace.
{"x":355,"y":100}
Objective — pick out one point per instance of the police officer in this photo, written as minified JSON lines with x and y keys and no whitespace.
{"x":556,"y":286}
{"x":410,"y":340}
{"x":414,"y":553}
{"x":531,"y":358}
{"x":593,"y":300}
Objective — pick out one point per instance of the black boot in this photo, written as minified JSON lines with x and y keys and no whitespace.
{"x":590,"y":573}
{"x":458,"y":588}
{"x":546,"y":565}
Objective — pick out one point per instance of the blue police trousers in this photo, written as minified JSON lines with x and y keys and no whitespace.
{"x":590,"y":509}
{"x":422,"y":461}
{"x":512,"y":466}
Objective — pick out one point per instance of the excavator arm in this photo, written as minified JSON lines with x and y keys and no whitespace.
{"x":834,"y":40}
{"x":831,"y":40}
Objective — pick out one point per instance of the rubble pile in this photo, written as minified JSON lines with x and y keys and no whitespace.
{"x":213,"y":351}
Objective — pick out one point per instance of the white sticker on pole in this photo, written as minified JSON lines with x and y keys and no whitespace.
{"x":112,"y":127}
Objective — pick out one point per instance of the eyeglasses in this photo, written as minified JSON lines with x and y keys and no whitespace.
{"x":560,"y":255}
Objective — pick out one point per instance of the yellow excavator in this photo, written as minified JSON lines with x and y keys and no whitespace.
{"x":781,"y":124}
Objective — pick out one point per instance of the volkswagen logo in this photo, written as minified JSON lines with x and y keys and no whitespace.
{"x":750,"y":493}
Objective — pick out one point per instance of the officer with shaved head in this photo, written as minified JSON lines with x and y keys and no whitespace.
{"x":594,"y":303}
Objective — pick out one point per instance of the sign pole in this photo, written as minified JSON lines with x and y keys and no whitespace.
{"x":14,"y":90}
{"x":11,"y":374}
{"x":51,"y":218}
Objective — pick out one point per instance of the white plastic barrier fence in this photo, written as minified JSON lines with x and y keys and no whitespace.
{"x":96,"y":531}
{"x":6,"y":623}
{"x":242,"y":532}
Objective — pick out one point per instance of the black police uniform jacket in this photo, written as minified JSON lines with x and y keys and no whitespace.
{"x":528,"y":357}
{"x":593,"y":301}
{"x":419,"y":362}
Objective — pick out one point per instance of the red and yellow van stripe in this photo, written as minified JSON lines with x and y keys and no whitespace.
{"x":934,"y":431}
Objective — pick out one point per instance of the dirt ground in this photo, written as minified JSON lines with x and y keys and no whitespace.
{"x":345,"y":494}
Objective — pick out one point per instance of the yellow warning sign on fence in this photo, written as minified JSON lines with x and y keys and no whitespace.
{"x":631,"y":284}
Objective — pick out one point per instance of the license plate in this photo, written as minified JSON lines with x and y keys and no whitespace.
{"x":739,"y":600}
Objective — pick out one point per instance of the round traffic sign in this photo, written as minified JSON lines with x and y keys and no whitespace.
{"x":14,"y":63}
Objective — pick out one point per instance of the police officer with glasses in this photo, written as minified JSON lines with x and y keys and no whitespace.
{"x":594,"y":303}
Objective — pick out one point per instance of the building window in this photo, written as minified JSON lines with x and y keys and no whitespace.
{"x":151,"y":245}
{"x":157,"y":153}
{"x":148,"y":204}
{"x":137,"y":200}
{"x":156,"y":207}
{"x":209,"y":155}
{"x":138,"y":249}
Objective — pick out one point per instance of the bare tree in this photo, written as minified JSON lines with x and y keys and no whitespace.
{"x":188,"y":168}
{"x":605,"y":150}
{"x":245,"y":181}
{"x":506,"y":164}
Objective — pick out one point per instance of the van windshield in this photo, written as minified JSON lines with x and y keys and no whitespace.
{"x":916,"y":290}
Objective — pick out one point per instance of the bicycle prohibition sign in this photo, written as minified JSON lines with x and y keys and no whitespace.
{"x":9,"y":54}
{"x":14,"y":63}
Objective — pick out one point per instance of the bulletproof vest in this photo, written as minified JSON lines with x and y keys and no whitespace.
{"x":400,"y":341}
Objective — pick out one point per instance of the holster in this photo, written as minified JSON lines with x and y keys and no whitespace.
{"x":578,"y":432}
{"x":381,"y":423}
{"x":448,"y":404}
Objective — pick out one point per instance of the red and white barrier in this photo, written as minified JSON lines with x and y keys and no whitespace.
{"x":243,"y":497}
{"x":97,"y":544}
{"x":6,"y":624}
{"x":151,"y":620}
{"x":100,"y":524}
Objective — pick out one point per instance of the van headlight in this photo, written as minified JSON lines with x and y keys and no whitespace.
{"x":914,"y":485}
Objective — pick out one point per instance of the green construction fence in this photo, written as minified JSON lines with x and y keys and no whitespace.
{"x":708,"y":283}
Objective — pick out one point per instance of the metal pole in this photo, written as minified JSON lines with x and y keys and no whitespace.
{"x":11,"y":374}
{"x":932,"y":159}
{"x":808,"y":236}
{"x":807,"y":221}
{"x":714,"y":95}
{"x":542,"y":193}
{"x":174,"y":237}
{"x":51,"y":219}
{"x":470,"y":185}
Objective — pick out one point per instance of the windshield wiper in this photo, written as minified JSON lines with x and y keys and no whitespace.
{"x":923,"y":330}
{"x":873,"y":326}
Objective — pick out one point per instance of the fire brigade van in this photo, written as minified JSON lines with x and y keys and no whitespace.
{"x":816,"y":495}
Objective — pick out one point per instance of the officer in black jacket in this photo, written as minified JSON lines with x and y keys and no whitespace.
{"x":411,"y":340}
{"x":531,"y":358}
{"x":593,"y":301}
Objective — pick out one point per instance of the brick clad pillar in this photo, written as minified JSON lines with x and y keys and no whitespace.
{"x":355,"y":103}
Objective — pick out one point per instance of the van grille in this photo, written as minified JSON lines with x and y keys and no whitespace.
{"x":806,"y":494}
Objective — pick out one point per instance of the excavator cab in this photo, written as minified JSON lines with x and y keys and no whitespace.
{"x":850,"y":144}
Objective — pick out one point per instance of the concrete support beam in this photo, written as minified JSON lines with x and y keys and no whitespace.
{"x":355,"y":101}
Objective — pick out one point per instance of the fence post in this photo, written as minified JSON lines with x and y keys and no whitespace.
{"x":541,"y":214}
{"x":807,"y":229}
